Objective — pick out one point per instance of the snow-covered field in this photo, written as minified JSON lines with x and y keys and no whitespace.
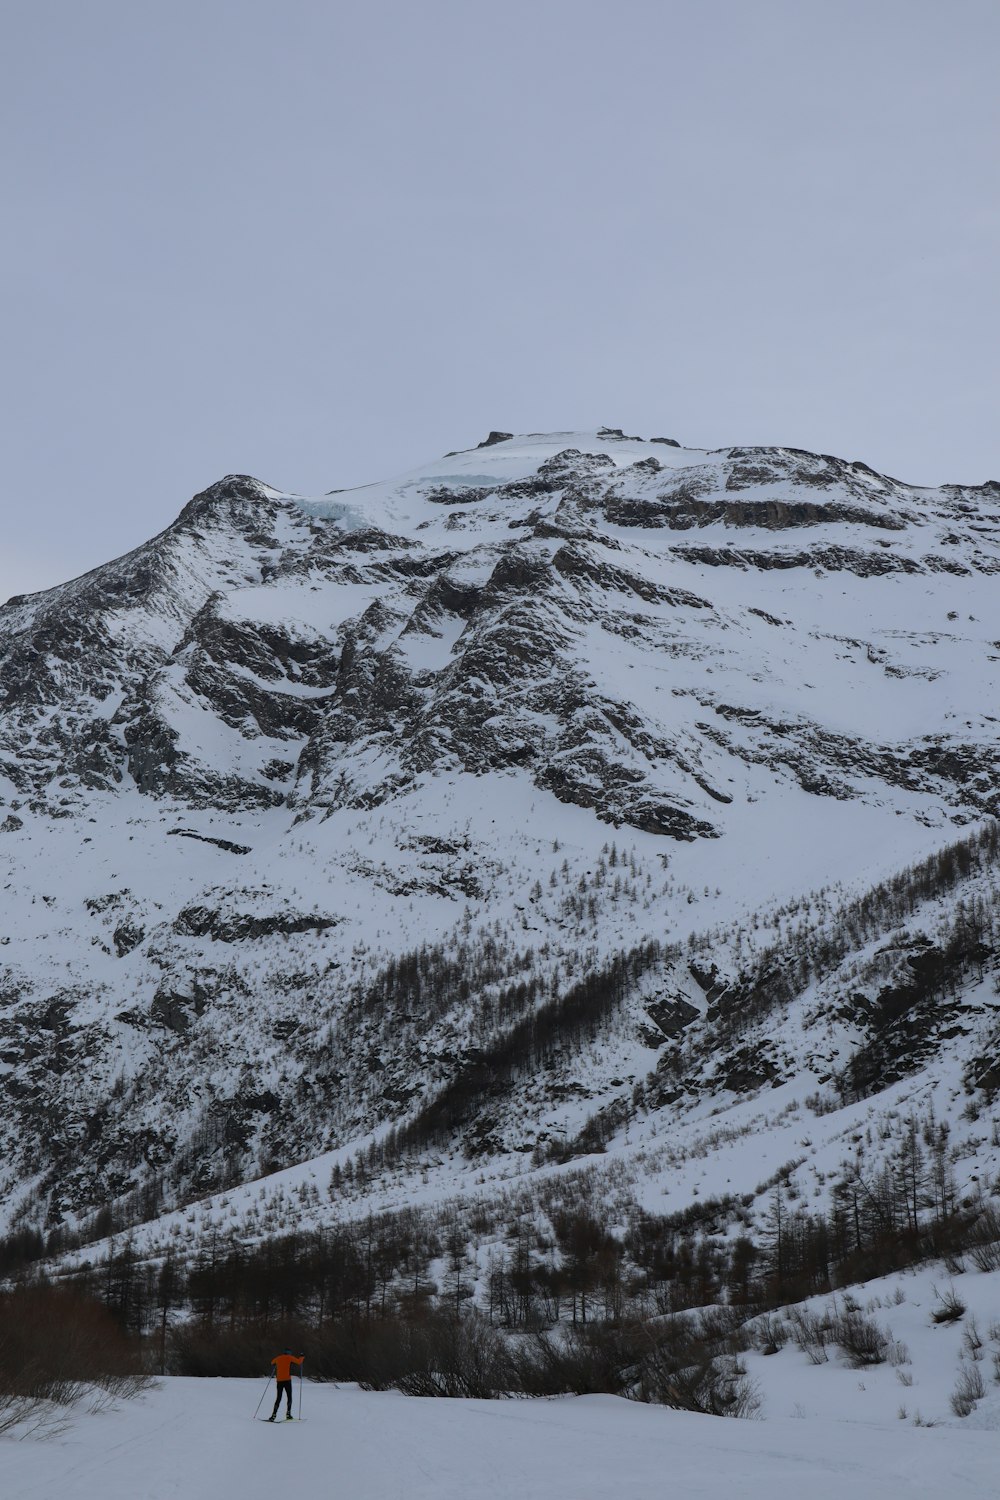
{"x":195,"y":1438}
{"x":823,"y":1429}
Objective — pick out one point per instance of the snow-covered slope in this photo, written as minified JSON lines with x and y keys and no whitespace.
{"x":523,"y":805}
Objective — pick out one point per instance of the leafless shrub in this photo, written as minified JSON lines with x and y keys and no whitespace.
{"x":725,"y":1328}
{"x":984,"y":1240}
{"x":862,"y":1340}
{"x":55,"y":1341}
{"x":970,"y":1388}
{"x":812,"y":1333}
{"x":57,"y":1346}
{"x":972,"y":1340}
{"x":31,"y":1418}
{"x":897,"y":1353}
{"x":678,"y":1371}
{"x":769,"y":1334}
{"x":950,"y":1309}
{"x":14,"y":1410}
{"x":455,"y":1356}
{"x":585,"y":1359}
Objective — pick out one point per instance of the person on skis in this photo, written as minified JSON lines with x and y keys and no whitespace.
{"x":283,"y":1376}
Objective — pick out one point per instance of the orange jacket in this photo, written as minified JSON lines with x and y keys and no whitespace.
{"x":283,"y":1365}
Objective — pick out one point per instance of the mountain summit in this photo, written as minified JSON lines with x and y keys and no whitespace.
{"x":316,"y":804}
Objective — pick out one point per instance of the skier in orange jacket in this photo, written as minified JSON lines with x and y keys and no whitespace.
{"x":283,"y":1375}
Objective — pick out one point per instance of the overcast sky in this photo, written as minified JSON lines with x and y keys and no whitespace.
{"x":322,"y":241}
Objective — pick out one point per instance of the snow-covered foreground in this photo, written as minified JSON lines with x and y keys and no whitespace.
{"x":195,"y":1438}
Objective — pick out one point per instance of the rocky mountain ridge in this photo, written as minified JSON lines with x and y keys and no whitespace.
{"x":457,"y":805}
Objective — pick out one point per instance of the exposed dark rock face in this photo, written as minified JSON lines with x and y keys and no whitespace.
{"x":238,"y":927}
{"x":127,"y":935}
{"x":672,"y":1016}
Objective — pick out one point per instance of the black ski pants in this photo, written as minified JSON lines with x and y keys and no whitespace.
{"x":286,"y":1387}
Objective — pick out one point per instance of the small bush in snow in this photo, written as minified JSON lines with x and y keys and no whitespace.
{"x":769,"y":1334}
{"x":971,"y":1340}
{"x":862,"y":1340}
{"x":57,"y":1346}
{"x":811,"y":1333}
{"x":985,"y":1246}
{"x":950,"y":1310}
{"x":970,"y":1388}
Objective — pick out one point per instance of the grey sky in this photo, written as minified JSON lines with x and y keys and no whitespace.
{"x":323,"y":242}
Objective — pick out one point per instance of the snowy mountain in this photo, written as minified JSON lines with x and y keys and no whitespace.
{"x":575,"y":799}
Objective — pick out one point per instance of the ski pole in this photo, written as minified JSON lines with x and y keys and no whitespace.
{"x":300,"y":1393}
{"x":267,"y":1382}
